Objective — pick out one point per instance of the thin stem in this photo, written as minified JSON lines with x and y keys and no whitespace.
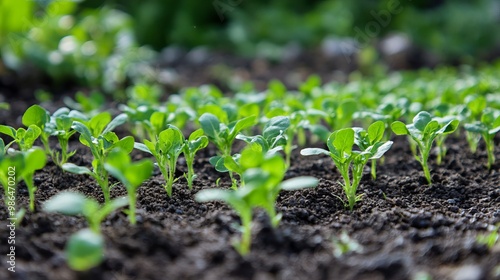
{"x":374,"y":169}
{"x":28,"y":179}
{"x":490,"y":149}
{"x":132,"y":201}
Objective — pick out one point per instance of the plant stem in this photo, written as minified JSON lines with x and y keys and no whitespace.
{"x":246,"y":236}
{"x":490,"y":150}
{"x":190,"y":173}
{"x":132,"y":200}
{"x":374,"y":169}
{"x":28,"y":179}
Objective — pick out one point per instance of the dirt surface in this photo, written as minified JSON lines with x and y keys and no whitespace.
{"x":405,"y":227}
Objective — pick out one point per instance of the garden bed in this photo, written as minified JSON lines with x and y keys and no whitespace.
{"x":405,"y":227}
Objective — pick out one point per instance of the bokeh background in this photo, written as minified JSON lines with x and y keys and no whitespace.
{"x":108,"y":44}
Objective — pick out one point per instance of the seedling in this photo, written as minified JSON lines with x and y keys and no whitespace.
{"x":487,"y":128}
{"x":166,"y":150}
{"x":62,"y":122}
{"x":21,"y":166}
{"x":273,"y":136}
{"x":262,"y":186}
{"x":131,"y":174}
{"x":423,"y":131}
{"x":85,"y":248}
{"x":23,"y":137}
{"x":98,"y":136}
{"x":223,"y":135}
{"x":39,"y":117}
{"x":340,"y":144}
{"x":475,"y":105}
{"x":196,"y":141}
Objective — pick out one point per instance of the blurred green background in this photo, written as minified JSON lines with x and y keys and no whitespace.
{"x":98,"y":42}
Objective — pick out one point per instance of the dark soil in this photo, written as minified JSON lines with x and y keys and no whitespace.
{"x":404,"y":226}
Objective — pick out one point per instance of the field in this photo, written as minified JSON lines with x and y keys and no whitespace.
{"x":403,"y":227}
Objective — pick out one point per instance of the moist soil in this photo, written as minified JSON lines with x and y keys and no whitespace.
{"x":405,"y":227}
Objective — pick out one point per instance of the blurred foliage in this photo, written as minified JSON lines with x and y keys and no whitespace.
{"x":96,"y":47}
{"x":101,"y":43}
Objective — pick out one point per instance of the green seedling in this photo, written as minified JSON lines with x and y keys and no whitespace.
{"x":475,"y":105}
{"x":251,"y":156}
{"x":166,"y":150}
{"x":196,"y":141}
{"x":340,"y":145}
{"x":23,"y":137}
{"x":423,"y":131}
{"x":85,"y":248}
{"x":273,"y":136}
{"x":262,"y":186}
{"x":98,"y":136}
{"x":39,"y":117}
{"x":21,"y":166}
{"x":223,"y":135}
{"x":487,"y":128}
{"x":364,"y":139}
{"x":130,"y":174}
{"x":61,"y":127}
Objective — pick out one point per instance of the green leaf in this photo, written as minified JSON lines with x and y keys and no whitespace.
{"x":476,"y":127}
{"x":196,"y":134}
{"x":232,"y":165}
{"x":210,"y":125}
{"x":36,"y":115}
{"x":298,"y":183}
{"x":85,"y":250}
{"x":218,"y":163}
{"x":421,"y":120}
{"x":343,"y":140}
{"x":399,"y":128}
{"x":242,"y":124}
{"x":138,"y":172}
{"x":275,"y":126}
{"x":97,"y":123}
{"x":376,"y":131}
{"x":66,"y":203}
{"x":379,"y":149}
{"x":142,"y":147}
{"x":84,"y":131}
{"x":70,"y":167}
{"x":8,"y":130}
{"x":126,"y":144}
{"x":35,"y":160}
{"x":314,"y":151}
{"x":117,"y":121}
{"x":450,"y":127}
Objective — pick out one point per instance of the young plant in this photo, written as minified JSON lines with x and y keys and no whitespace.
{"x":475,"y":105}
{"x":423,"y":131}
{"x":23,"y":137}
{"x":130,"y":174}
{"x":340,"y":144}
{"x":39,"y":117}
{"x":364,"y":139}
{"x":262,"y":186}
{"x":166,"y":150}
{"x":196,"y":141}
{"x":85,"y":248}
{"x":21,"y":166}
{"x":273,"y":136}
{"x":98,"y":136}
{"x":62,"y":128}
{"x":223,"y":135}
{"x":487,"y":128}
